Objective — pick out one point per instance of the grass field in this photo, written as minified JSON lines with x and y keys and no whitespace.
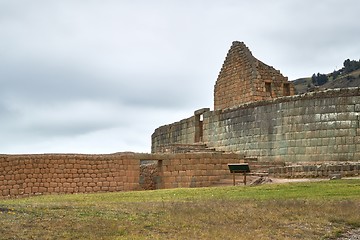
{"x":317,"y":210}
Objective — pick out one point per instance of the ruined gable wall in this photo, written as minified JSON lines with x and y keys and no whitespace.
{"x":235,"y":81}
{"x":243,"y":79}
{"x":276,"y":79}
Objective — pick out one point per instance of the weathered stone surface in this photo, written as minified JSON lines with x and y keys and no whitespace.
{"x":260,"y":130}
{"x":83,"y":173}
{"x":244,"y":79}
{"x":318,"y":126}
{"x":332,"y":170}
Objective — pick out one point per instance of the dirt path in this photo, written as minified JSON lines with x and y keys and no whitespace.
{"x":289,"y":180}
{"x":353,"y":234}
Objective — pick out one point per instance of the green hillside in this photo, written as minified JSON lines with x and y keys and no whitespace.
{"x":348,"y":76}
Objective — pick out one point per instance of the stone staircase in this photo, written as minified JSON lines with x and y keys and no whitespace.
{"x":257,"y":168}
{"x":189,"y":148}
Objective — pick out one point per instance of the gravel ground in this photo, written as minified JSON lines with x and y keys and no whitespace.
{"x":353,"y":234}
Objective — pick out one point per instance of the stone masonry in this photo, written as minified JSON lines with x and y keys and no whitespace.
{"x":319,"y":126}
{"x":244,"y":79}
{"x":257,"y":116}
{"x":26,"y":175}
{"x":37,"y":174}
{"x":318,"y":170}
{"x":256,"y":120}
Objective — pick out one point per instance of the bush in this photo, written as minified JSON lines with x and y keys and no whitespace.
{"x":350,"y":78}
{"x":319,"y":79}
{"x":351,"y":65}
{"x":335,"y":74}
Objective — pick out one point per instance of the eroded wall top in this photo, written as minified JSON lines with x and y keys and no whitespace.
{"x":243,"y":79}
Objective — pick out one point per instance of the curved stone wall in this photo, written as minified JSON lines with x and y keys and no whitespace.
{"x":319,"y":126}
{"x":178,"y":132}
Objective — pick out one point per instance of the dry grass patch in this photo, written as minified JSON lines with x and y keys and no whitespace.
{"x":289,"y":211}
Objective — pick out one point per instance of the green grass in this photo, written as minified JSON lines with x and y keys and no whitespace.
{"x":314,"y":210}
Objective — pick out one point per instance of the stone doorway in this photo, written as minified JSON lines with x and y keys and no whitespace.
{"x":199,"y":124}
{"x":150,"y":174}
{"x":199,"y":131}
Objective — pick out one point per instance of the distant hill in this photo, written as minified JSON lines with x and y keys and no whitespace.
{"x":303,"y":85}
{"x":348,"y":76}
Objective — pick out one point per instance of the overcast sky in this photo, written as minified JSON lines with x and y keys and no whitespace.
{"x":98,"y":76}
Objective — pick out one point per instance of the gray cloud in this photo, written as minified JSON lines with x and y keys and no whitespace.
{"x":4,"y":111}
{"x":41,"y":82}
{"x":100,"y":76}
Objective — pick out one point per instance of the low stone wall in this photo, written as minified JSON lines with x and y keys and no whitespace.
{"x":192,"y":169}
{"x":323,"y":170}
{"x":26,"y":175}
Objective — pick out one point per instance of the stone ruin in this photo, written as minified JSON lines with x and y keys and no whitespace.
{"x":244,"y":79}
{"x":256,"y":119}
{"x":257,"y":114}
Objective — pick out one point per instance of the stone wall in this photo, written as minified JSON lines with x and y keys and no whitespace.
{"x":179,"y":132}
{"x":27,"y":175}
{"x":320,"y":170}
{"x":193,"y":169}
{"x":319,"y":126}
{"x":243,"y":79}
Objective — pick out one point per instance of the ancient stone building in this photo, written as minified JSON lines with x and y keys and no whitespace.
{"x":255,"y":115}
{"x":244,"y":79}
{"x":255,"y":120}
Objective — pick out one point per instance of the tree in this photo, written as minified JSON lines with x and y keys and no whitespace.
{"x":319,"y":79}
{"x":313,"y":79}
{"x":335,"y":74}
{"x":347,"y":65}
{"x":322,"y":79}
{"x":351,"y":65}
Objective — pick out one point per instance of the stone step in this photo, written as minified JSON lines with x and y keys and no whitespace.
{"x":191,"y":148}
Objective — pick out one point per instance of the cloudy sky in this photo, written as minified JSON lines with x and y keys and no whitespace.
{"x":98,"y":76}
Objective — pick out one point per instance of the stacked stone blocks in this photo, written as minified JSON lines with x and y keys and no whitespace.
{"x":181,"y":132}
{"x":318,"y":126}
{"x":320,"y":170}
{"x":27,"y":175}
{"x":243,"y":79}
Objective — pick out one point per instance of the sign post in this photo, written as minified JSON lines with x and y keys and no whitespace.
{"x":239,"y":168}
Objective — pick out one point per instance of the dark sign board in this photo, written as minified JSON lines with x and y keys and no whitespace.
{"x":239,"y":167}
